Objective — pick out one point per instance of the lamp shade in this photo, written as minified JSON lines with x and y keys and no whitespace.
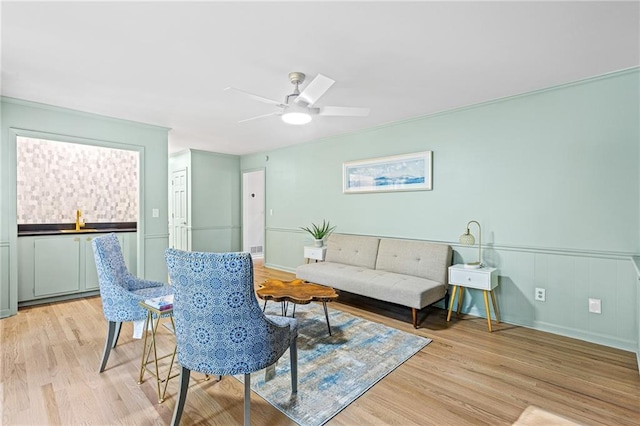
{"x":467,"y":239}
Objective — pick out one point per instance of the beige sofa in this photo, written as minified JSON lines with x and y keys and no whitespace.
{"x":407,"y":272}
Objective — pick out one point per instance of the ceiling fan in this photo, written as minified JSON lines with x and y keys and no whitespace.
{"x":299,"y":107}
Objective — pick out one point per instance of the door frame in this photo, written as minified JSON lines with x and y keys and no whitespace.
{"x":172,"y":236}
{"x":264,"y":207}
{"x":14,"y":134}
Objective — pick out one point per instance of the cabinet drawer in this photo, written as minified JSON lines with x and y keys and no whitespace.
{"x":316,"y":253}
{"x":56,"y":266}
{"x":471,"y":278}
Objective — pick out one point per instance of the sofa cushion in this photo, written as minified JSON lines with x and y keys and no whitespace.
{"x":352,"y":250}
{"x":406,"y":290}
{"x":417,"y":258}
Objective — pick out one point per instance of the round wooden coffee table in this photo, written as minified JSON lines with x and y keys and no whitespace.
{"x":297,"y":292}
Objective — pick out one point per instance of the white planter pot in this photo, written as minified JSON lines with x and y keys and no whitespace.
{"x":319,"y":243}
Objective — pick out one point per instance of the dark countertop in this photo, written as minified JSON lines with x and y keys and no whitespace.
{"x":89,"y":228}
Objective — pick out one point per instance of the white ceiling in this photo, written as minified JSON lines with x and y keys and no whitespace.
{"x":167,"y":63}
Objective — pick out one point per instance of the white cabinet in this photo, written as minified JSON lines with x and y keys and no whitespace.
{"x":59,"y":265}
{"x":315,"y":253}
{"x":90,"y":271}
{"x":56,"y":265}
{"x":485,"y":279}
{"x":482,"y":278}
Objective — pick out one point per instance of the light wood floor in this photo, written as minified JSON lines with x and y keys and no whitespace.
{"x":466,"y":376}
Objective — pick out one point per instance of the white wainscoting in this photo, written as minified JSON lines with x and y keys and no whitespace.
{"x":569,"y":277}
{"x":5,"y":292}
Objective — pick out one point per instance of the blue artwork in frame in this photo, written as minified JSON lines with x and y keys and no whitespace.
{"x":407,"y":172}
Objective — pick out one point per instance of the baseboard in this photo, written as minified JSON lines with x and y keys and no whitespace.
{"x":279,"y":267}
{"x":600,"y":339}
{"x":5,"y":313}
{"x":58,"y":298}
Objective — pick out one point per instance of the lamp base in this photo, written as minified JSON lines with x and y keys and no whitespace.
{"x":474,"y":265}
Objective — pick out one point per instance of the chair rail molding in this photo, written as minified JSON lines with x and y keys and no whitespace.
{"x":570,"y":277}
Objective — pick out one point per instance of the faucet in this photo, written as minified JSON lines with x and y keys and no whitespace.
{"x":79,"y":224}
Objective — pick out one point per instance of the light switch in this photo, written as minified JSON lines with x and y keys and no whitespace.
{"x":155,"y":213}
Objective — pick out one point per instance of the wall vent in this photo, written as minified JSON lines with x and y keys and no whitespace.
{"x":256,"y":249}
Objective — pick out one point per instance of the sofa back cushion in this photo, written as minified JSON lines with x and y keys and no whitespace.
{"x":352,"y":250}
{"x":417,"y":258}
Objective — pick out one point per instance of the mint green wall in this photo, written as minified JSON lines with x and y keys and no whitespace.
{"x":55,"y":123}
{"x":552,"y":176}
{"x":214,"y":187}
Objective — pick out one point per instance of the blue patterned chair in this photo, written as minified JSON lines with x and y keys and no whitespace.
{"x":220,"y":327}
{"x":120,"y":290}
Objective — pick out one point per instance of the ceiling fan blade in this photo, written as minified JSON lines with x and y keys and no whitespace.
{"x":256,"y":97}
{"x":259,"y":116}
{"x":315,"y":89}
{"x":344,"y":111}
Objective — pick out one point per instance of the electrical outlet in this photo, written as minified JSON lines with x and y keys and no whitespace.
{"x":595,"y":306}
{"x":155,"y":212}
{"x":541,"y":294}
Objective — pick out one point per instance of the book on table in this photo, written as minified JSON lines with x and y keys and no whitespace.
{"x":162,"y":303}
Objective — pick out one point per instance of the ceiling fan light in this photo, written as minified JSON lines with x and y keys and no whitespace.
{"x":296,"y":118}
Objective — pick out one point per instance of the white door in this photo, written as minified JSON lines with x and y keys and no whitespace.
{"x":179,"y":213}
{"x":253,"y":202}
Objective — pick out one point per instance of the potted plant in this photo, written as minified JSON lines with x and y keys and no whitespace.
{"x":318,"y":232}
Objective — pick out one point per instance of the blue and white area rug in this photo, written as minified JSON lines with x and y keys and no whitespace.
{"x":333,"y":371}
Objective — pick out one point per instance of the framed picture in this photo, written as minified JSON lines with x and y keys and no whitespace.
{"x":407,"y":172}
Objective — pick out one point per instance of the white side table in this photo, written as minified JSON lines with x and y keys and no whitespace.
{"x":485,"y":279}
{"x":315,"y":253}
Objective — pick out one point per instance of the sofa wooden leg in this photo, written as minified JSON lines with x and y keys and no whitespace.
{"x":414,"y":316}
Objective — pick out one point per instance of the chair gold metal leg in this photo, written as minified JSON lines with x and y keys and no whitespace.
{"x":154,"y":329}
{"x":169,"y":376}
{"x":145,"y":353}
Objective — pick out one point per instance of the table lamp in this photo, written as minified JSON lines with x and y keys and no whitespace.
{"x":468,"y":239}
